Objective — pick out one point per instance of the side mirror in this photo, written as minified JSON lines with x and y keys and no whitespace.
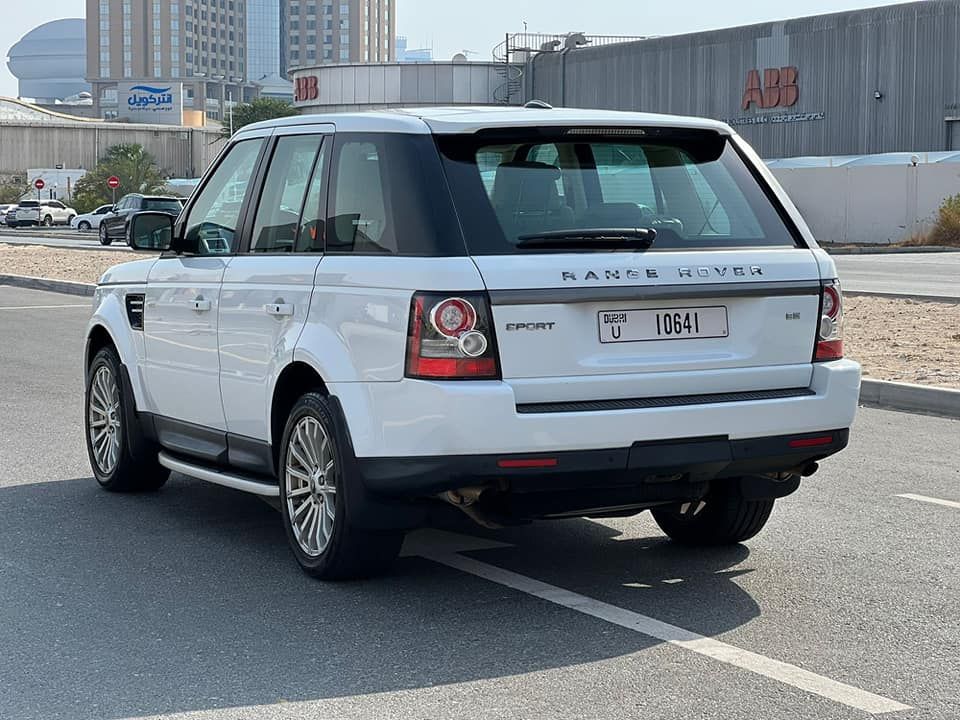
{"x":151,"y":231}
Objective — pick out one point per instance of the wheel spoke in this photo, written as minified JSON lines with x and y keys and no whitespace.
{"x":299,"y":492}
{"x":305,"y":504}
{"x":299,"y":475}
{"x":297,"y":455}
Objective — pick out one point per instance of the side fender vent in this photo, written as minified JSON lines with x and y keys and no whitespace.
{"x":135,"y":310}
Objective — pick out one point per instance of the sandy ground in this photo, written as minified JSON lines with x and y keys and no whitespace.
{"x":902,"y":340}
{"x":58,"y":264}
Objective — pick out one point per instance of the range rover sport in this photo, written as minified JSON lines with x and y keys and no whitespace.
{"x":523,"y":312}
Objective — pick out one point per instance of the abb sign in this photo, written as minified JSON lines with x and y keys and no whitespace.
{"x":779,"y":88}
{"x":305,"y":89}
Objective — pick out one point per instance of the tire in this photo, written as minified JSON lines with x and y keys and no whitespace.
{"x":104,"y":237}
{"x":124,"y":461}
{"x":327,"y":544}
{"x":83,"y":226}
{"x":726,"y":518}
{"x":47,"y":221}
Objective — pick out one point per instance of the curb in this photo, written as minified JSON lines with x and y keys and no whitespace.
{"x":66,"y":287}
{"x":889,"y":250}
{"x":943,"y":402}
{"x":903,"y":296}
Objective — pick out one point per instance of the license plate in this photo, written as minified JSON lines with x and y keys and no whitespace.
{"x":663,"y":324}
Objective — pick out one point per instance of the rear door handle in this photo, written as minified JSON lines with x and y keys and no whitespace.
{"x":201,"y":305}
{"x":279,"y":309}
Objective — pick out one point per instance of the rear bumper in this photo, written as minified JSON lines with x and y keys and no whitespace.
{"x":417,"y":419}
{"x":645,"y":472}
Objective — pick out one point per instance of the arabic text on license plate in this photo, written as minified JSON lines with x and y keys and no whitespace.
{"x":662,"y":324}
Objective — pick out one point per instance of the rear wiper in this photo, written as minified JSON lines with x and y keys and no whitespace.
{"x":593,"y":239}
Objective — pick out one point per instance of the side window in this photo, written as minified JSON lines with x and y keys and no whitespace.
{"x":359,"y":218}
{"x":211,"y":226}
{"x":282,"y":199}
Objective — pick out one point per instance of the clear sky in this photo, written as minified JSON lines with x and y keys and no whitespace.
{"x":451,"y":26}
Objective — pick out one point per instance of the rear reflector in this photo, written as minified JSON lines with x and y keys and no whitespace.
{"x":528,"y":463}
{"x":811,"y":442}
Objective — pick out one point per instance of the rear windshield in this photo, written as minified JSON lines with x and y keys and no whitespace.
{"x":162,"y":204}
{"x":692,"y":187}
{"x":29,"y":203}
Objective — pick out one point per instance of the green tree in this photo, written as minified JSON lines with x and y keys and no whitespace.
{"x":258,"y":110}
{"x":136,"y":168}
{"x":11,"y":192}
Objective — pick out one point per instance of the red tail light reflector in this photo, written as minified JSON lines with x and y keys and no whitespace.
{"x":811,"y":442}
{"x":528,"y":463}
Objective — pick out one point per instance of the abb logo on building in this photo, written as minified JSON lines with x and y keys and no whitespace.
{"x":779,"y":88}
{"x":305,"y":89}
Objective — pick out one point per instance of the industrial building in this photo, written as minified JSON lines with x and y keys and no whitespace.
{"x":881,"y":80}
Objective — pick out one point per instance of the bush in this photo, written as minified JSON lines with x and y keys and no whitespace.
{"x":947,"y":229}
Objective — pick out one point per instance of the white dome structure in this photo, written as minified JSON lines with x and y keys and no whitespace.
{"x":50,"y":61}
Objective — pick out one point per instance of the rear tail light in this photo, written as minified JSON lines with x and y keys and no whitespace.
{"x":830,"y":327}
{"x":451,"y":338}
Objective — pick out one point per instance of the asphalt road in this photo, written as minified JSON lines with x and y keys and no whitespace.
{"x":902,"y":273}
{"x":187,"y":603}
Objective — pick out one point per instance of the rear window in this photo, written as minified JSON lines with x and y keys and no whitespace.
{"x":29,"y":204}
{"x":692,"y":187}
{"x":159,"y":204}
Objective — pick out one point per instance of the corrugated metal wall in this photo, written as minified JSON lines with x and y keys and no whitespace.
{"x":379,"y":85}
{"x":180,"y":152}
{"x":910,"y":53}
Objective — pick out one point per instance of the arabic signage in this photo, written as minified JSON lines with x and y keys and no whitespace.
{"x":151,"y":102}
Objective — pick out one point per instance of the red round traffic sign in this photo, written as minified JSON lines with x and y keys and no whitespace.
{"x":113,"y":182}
{"x":39,"y":184}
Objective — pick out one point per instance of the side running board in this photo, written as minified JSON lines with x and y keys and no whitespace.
{"x":219,"y":477}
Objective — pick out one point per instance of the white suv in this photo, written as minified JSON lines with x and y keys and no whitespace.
{"x":41,"y":212}
{"x":526,"y":313}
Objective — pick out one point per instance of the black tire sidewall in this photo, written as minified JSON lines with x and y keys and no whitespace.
{"x":83,"y":226}
{"x":104,"y":236}
{"x":315,"y":405}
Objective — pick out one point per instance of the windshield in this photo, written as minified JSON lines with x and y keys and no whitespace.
{"x":691,"y":187}
{"x":170,"y":205}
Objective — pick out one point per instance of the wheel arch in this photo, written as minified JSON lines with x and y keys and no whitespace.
{"x":109,"y":327}
{"x":294,"y":380}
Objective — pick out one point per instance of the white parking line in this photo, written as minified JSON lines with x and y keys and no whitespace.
{"x":761,"y":665}
{"x":931,"y":500}
{"x":44,"y":307}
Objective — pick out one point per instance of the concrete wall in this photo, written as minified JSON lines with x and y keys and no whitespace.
{"x":180,"y":152}
{"x":879,"y":204}
{"x":909,"y":53}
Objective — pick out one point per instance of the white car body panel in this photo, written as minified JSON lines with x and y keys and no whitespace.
{"x":182,"y":367}
{"x":418,"y":418}
{"x":256,"y":346}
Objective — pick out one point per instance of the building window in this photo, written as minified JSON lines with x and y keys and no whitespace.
{"x":104,"y":41}
{"x":175,"y":25}
{"x":127,"y":71}
{"x":344,"y":53}
{"x":104,"y":57}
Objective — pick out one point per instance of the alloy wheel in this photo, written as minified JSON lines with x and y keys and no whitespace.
{"x":103,"y":419}
{"x":310,"y":486}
